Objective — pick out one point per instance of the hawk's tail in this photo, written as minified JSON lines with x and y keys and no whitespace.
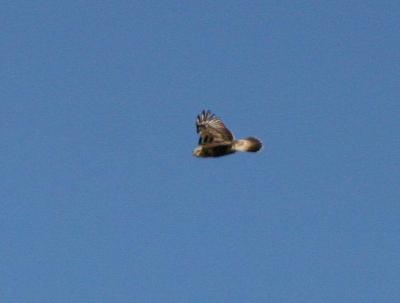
{"x":249,"y":144}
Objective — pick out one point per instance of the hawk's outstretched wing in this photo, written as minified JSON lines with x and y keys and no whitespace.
{"x":211,"y":129}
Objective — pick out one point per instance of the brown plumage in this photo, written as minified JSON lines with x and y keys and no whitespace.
{"x":216,"y":140}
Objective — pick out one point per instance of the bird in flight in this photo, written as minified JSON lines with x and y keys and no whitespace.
{"x":216,"y":140}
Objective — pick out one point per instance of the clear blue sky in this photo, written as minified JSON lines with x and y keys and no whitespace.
{"x":102,"y":200}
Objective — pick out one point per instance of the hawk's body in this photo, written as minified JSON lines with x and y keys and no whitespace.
{"x":216,"y":140}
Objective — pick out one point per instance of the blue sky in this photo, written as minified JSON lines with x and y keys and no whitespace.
{"x":102,"y":200}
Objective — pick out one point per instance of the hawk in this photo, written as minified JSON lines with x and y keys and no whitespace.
{"x":216,"y":140}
